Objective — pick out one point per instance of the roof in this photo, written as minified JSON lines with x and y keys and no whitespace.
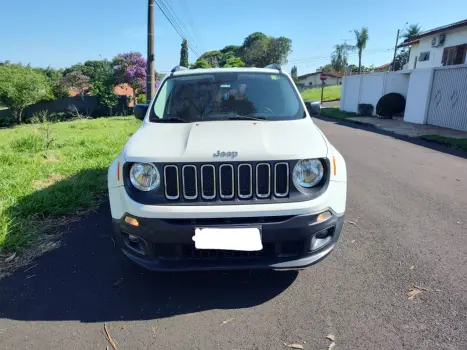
{"x":329,"y":74}
{"x":416,"y":38}
{"x":383,"y":66}
{"x":225,"y":70}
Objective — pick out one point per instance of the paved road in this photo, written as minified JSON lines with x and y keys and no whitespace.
{"x":408,"y":208}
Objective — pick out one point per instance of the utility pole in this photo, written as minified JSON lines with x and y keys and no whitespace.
{"x":150,"y":79}
{"x":395,"y":50}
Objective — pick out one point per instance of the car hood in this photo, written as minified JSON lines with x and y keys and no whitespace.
{"x":250,"y":140}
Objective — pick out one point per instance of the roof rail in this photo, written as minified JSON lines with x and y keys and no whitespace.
{"x":177,"y":68}
{"x":274,"y":66}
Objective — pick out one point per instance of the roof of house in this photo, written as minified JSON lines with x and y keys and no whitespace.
{"x":416,"y":38}
{"x":383,"y":66}
{"x":329,"y":74}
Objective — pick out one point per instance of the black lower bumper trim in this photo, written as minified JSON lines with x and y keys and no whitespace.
{"x":167,"y":245}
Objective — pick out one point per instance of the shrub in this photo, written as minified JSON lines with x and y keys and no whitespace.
{"x":390,"y":104}
{"x":141,"y":98}
{"x":31,"y":143}
{"x":365,"y":109}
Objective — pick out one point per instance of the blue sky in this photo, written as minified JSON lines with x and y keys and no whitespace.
{"x":59,"y":33}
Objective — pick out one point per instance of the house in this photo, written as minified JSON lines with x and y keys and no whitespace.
{"x":312,"y":79}
{"x":383,"y":68}
{"x":442,"y":46}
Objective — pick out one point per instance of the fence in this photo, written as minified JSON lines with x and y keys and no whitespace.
{"x":88,"y":105}
{"x":369,"y":88}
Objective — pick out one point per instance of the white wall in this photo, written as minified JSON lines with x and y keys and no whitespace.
{"x":453,"y":37}
{"x":418,"y":95}
{"x":350,"y":93}
{"x":397,"y":82}
{"x":369,"y":88}
{"x":372,"y":88}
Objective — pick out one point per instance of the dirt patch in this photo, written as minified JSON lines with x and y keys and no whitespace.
{"x":51,"y":179}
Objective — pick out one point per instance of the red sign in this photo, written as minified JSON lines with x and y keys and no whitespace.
{"x":323,"y":76}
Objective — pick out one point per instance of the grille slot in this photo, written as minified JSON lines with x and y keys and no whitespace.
{"x":208,"y":181}
{"x":226,"y":181}
{"x":190,"y":182}
{"x":281,"y":179}
{"x":171,"y":181}
{"x":245,"y":181}
{"x":263,"y":180}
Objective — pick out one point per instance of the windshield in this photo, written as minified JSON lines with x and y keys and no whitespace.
{"x":226,"y":96}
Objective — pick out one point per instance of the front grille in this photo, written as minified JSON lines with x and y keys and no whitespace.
{"x":282,"y":250}
{"x":224,"y":182}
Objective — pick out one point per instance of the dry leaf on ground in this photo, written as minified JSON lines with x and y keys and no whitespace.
{"x":294,"y":346}
{"x":331,"y":346}
{"x":109,"y":338}
{"x":413,"y":292}
{"x":331,"y":337}
{"x":227,"y":321}
{"x":352,"y":223}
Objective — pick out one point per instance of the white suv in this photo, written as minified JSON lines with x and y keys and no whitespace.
{"x":227,"y":171}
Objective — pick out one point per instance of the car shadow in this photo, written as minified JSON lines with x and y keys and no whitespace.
{"x":88,"y":279}
{"x":414,"y":140}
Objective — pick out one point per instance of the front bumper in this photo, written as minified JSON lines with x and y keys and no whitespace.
{"x":288,"y":242}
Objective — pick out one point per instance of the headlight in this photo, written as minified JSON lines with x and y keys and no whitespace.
{"x":144,"y":176}
{"x":308,"y":172}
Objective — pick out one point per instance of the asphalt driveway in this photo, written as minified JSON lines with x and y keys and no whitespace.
{"x":406,"y":227}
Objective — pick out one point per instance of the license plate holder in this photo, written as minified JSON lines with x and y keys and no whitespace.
{"x":236,"y":238}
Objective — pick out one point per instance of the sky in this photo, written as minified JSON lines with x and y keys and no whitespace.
{"x":61,"y":33}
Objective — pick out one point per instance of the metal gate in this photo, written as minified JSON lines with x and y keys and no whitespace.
{"x":448,"y":101}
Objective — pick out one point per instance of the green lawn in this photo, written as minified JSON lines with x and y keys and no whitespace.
{"x":334,"y":112}
{"x":449,"y":141}
{"x":330,"y":93}
{"x":40,"y":189}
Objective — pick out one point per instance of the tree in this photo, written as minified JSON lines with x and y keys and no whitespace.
{"x":234,"y":62}
{"x":130,"y":68}
{"x":339,"y":57}
{"x":201,"y":63}
{"x":411,"y":30}
{"x":327,"y":68}
{"x":184,"y":54}
{"x":212,"y":57}
{"x":54,"y":76}
{"x":266,"y":50}
{"x":294,"y":71}
{"x":237,"y":50}
{"x":361,"y":38}
{"x":402,"y":58}
{"x":76,"y":81}
{"x":21,"y":86}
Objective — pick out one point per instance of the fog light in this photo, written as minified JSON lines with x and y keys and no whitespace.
{"x":131,"y":221}
{"x":321,"y":238}
{"x":323,"y":217}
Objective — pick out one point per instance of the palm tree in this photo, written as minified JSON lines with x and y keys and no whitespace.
{"x":361,"y":38}
{"x":339,"y":57}
{"x":411,"y":30}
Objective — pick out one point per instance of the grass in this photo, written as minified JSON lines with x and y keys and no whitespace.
{"x":448,"y":141}
{"x":334,"y":112}
{"x":42,"y":186}
{"x":330,"y":93}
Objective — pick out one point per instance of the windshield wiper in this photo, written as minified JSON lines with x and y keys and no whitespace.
{"x":245,"y":117}
{"x":172,"y":120}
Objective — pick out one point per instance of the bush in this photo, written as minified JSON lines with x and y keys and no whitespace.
{"x":31,"y":143}
{"x":365,"y":109}
{"x":390,"y":104}
{"x":141,"y":98}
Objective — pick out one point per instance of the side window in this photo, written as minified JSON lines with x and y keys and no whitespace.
{"x":164,"y":92}
{"x":424,"y":56}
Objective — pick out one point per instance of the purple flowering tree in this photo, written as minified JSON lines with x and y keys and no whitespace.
{"x":131,"y":68}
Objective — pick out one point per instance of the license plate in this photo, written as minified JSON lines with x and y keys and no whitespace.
{"x":243,"y":239}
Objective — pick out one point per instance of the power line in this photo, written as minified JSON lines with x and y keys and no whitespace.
{"x":178,"y":21}
{"x":327,"y":57}
{"x":178,"y":30}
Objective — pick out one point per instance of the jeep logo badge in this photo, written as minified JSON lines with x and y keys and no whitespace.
{"x":230,"y":155}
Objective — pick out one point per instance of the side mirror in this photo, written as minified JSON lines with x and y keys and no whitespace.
{"x":140,"y":110}
{"x":313,"y":107}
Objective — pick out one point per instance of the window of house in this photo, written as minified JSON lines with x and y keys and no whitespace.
{"x":454,"y":55}
{"x":424,"y":56}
